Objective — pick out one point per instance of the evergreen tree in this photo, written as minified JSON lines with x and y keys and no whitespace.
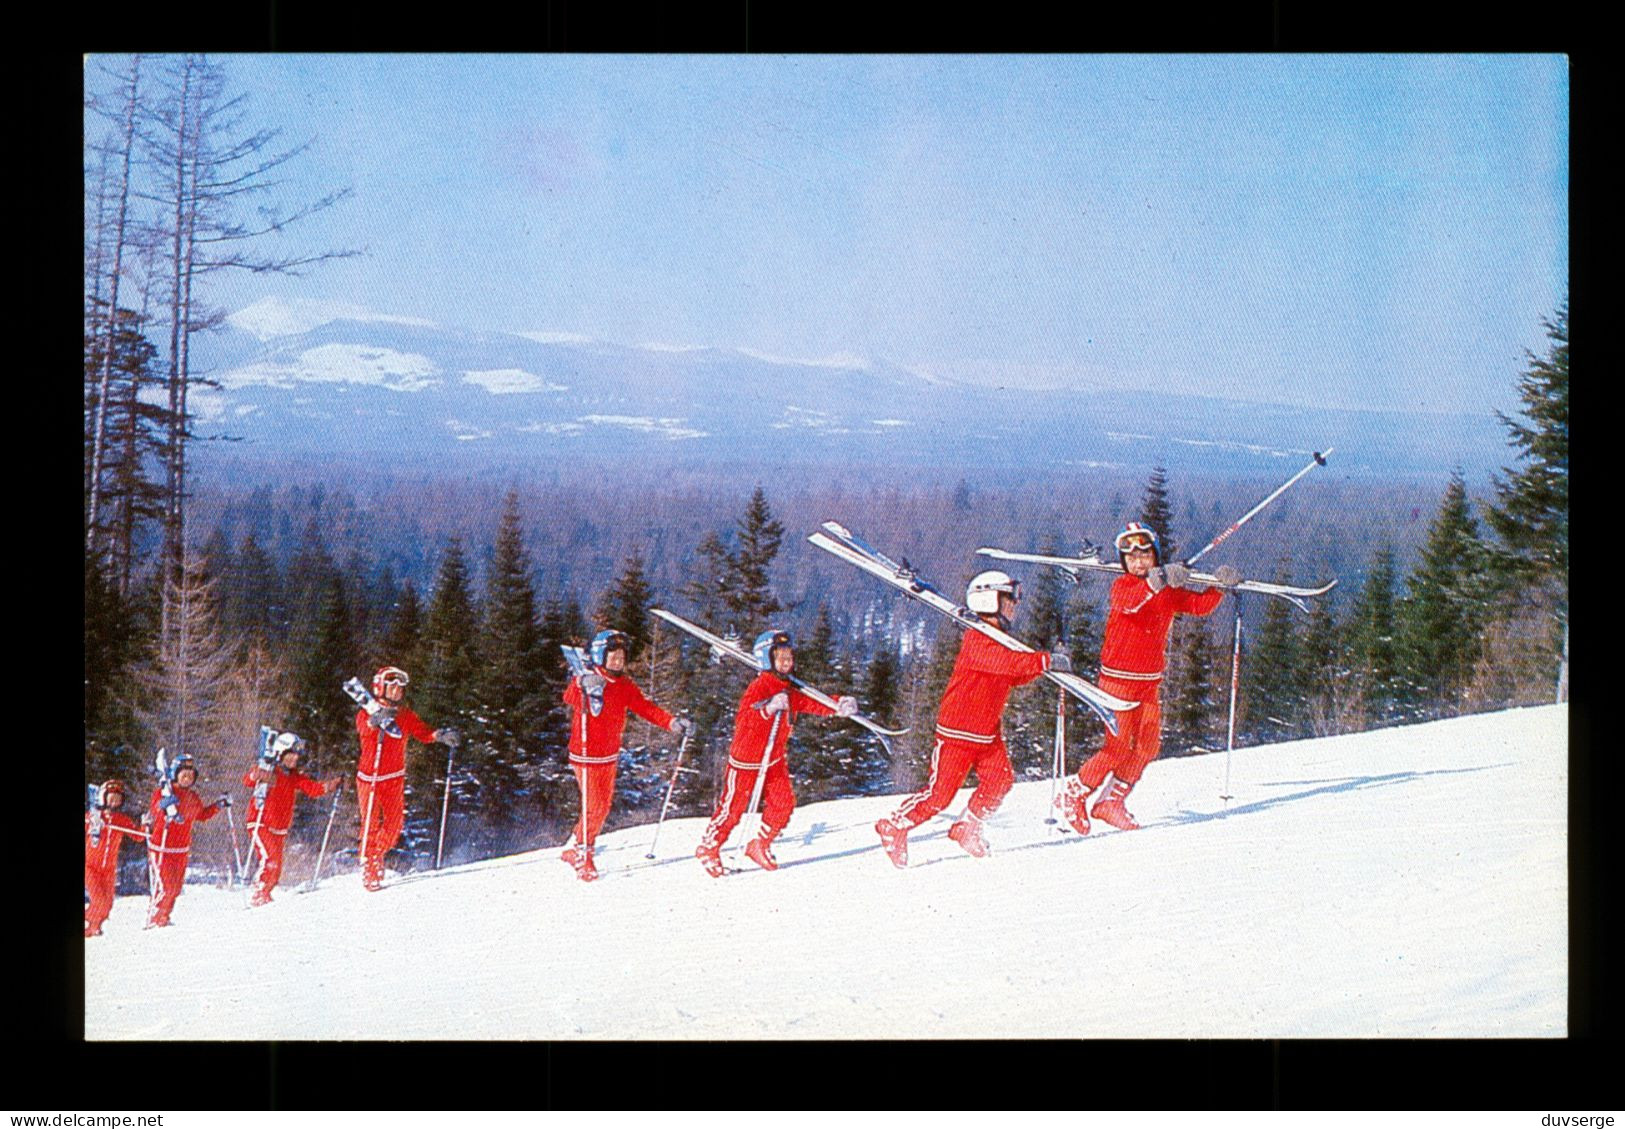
{"x":1319,"y":673}
{"x":625,"y":606}
{"x":112,"y":648}
{"x":1531,"y":518}
{"x":402,"y":644}
{"x":1269,"y":683}
{"x":188,"y":668}
{"x":708,"y":578}
{"x":815,"y":656}
{"x":1046,"y":626}
{"x":445,"y":689}
{"x":1443,"y":614}
{"x":1372,"y":644}
{"x":879,"y":698}
{"x":747,"y":593}
{"x":325,"y":717}
{"x":254,"y":602}
{"x":1195,"y":717}
{"x":1158,"y":514}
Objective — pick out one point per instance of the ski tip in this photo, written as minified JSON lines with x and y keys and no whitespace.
{"x":837,"y":528}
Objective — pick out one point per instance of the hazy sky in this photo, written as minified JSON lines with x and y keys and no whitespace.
{"x":1323,"y":229}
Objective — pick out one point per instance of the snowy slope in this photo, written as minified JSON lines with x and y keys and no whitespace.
{"x":1408,"y":882}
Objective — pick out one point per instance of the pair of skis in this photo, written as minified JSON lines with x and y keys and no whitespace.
{"x":841,"y":542}
{"x":727,"y":648}
{"x":1092,"y":562}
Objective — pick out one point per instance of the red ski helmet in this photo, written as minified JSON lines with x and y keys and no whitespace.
{"x":108,"y":788}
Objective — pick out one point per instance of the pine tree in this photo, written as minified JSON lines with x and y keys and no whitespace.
{"x":402,"y":644}
{"x":112,"y":649}
{"x":1372,"y":643}
{"x":747,"y":594}
{"x":1269,"y":681}
{"x":254,"y":602}
{"x":445,"y":689}
{"x":1158,"y":514}
{"x":708,"y":578}
{"x":1531,"y":518}
{"x":1319,"y":676}
{"x":188,"y":668}
{"x":879,"y":699}
{"x":1046,"y":625}
{"x":510,"y":709}
{"x":1195,"y":717}
{"x":1443,"y":614}
{"x":815,"y":656}
{"x":625,"y":606}
{"x":324,"y":716}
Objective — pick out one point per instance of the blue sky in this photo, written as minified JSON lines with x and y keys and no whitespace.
{"x":1384,"y":231}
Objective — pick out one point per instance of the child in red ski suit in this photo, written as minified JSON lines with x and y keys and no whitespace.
{"x":969,"y":731}
{"x":762,"y":726}
{"x":380,"y":778}
{"x":268,"y":821}
{"x":1144,"y":601}
{"x":169,"y":837}
{"x":105,"y":828}
{"x":595,"y":738}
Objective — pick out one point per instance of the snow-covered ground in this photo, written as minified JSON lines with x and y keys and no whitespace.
{"x":1407,"y":882}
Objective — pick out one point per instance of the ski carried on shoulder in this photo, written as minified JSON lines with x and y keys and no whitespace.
{"x":580,"y":664}
{"x":841,"y":542}
{"x":732,"y":650}
{"x":1072,"y":566}
{"x":362,"y":697}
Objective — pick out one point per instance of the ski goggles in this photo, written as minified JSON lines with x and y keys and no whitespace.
{"x":1135,"y":542}
{"x":392,"y":677}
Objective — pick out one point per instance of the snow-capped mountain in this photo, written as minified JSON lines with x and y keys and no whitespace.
{"x":317,"y":379}
{"x":1364,"y":886}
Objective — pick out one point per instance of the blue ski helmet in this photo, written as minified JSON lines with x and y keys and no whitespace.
{"x":605,"y":642}
{"x":1134,"y":534}
{"x":182,"y":760}
{"x":766,"y":643}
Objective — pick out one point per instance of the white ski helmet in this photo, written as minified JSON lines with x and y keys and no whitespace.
{"x":287,"y":743}
{"x":766,"y":643}
{"x":982,"y":597}
{"x":605,"y":642}
{"x":388,"y":676}
{"x":1135,"y":535}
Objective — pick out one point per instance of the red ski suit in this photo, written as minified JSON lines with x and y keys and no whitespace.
{"x":969,"y":732}
{"x":380,"y":784}
{"x":595,"y":743}
{"x":753,"y":727}
{"x":168,"y":845}
{"x":1132,"y":659}
{"x":101,"y":863}
{"x":268,"y":825}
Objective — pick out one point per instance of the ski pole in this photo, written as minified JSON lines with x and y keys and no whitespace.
{"x":322,"y":854}
{"x":677,"y":768}
{"x":1058,"y":764}
{"x":236,"y":855}
{"x":1318,"y":460}
{"x":445,"y":806}
{"x":1235,"y":680}
{"x":761,"y":772}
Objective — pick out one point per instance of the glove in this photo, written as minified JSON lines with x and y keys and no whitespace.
{"x":846,"y":706}
{"x":778,"y":703}
{"x":1061,"y":661}
{"x":223,"y":802}
{"x":1178,"y":575}
{"x":682,"y":726}
{"x":1227,"y":576}
{"x":329,"y":785}
{"x":1157,"y":578}
{"x":383,"y":719}
{"x":448,"y":737}
{"x":592,"y":684}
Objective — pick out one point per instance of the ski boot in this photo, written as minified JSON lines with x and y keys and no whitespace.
{"x":1074,"y":805}
{"x":1111,"y":810}
{"x":585,"y":870}
{"x":968,"y":834}
{"x":260,"y":898}
{"x":92,"y":931}
{"x":895,"y":841}
{"x":711,"y":859}
{"x":570,"y":854}
{"x":759,"y":851}
{"x":372,"y":877}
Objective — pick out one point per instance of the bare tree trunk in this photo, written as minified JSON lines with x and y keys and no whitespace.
{"x":128,"y":145}
{"x":170,"y":556}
